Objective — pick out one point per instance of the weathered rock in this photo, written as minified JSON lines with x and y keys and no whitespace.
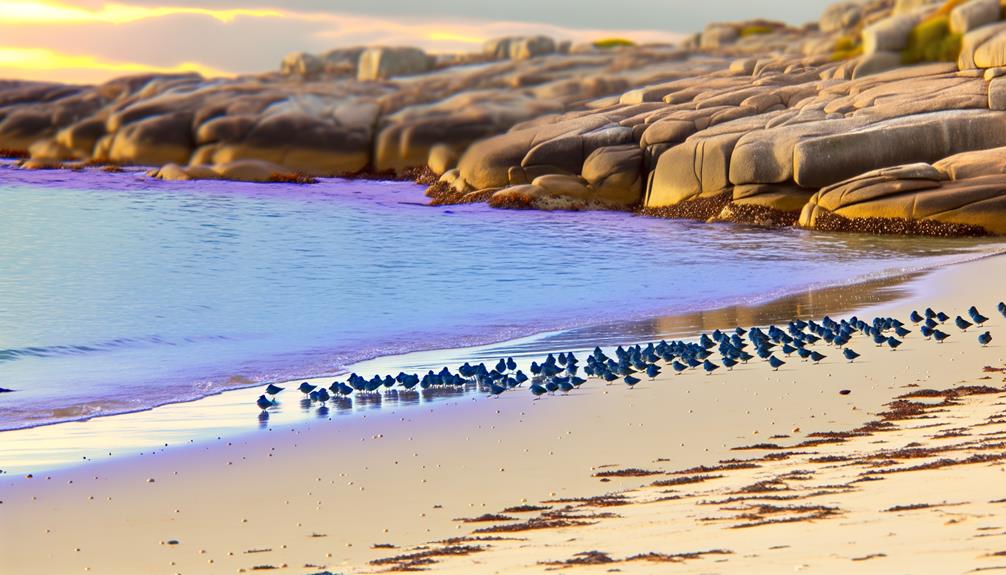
{"x":974,"y":164}
{"x":919,"y":138}
{"x":443,"y":158}
{"x":257,"y":171}
{"x":840,"y":16}
{"x":383,"y":63}
{"x":875,"y":63}
{"x":891,"y":34}
{"x":905,"y":6}
{"x":974,"y":14}
{"x":718,"y":35}
{"x":615,"y":173}
{"x":529,"y":47}
{"x":911,"y":199}
{"x":301,"y":64}
{"x":153,"y":141}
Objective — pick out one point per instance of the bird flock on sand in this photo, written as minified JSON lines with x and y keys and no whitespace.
{"x":562,"y":373}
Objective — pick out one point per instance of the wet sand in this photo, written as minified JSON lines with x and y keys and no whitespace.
{"x":333,"y":495}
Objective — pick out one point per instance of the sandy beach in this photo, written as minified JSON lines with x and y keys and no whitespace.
{"x":352,"y":494}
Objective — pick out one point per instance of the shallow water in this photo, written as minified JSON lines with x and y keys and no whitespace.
{"x":119,"y":293}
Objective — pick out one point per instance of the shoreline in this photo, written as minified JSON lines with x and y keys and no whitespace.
{"x":230,"y":412}
{"x":402,"y":477}
{"x":685,"y":327}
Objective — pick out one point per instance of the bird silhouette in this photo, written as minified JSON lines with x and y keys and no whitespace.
{"x":273,"y":389}
{"x":976,"y":316}
{"x":306,"y":388}
{"x":850,"y":354}
{"x":776,"y":363}
{"x":630,"y":381}
{"x":816,"y":357}
{"x":940,"y":336}
{"x":962,"y":324}
{"x":538,"y":391}
{"x":264,"y":402}
{"x":985,"y":339}
{"x":893,"y":343}
{"x":709,"y":366}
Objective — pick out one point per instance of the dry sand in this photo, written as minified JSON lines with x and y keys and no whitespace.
{"x":322,"y":495}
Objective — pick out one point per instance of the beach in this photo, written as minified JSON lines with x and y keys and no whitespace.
{"x":346,"y":495}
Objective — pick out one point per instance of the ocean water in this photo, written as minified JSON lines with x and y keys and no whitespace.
{"x":119,"y":293}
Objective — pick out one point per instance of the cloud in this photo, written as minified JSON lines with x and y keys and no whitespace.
{"x":44,"y":64}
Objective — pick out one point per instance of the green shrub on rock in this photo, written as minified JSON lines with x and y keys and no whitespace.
{"x":847,"y":47}
{"x":609,"y":43}
{"x":756,"y":30}
{"x":932,"y":41}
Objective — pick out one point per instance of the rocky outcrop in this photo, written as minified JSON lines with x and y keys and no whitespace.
{"x":382,"y":63}
{"x":914,"y":198}
{"x":754,"y":122}
{"x":257,"y":171}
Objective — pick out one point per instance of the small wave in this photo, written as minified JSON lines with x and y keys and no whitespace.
{"x":14,"y":354}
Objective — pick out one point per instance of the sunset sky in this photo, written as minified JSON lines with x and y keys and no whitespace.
{"x":92,"y":40}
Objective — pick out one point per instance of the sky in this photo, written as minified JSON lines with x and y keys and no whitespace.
{"x":89,"y":41}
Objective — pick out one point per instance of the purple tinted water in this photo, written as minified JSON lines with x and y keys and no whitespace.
{"x":118,"y":292}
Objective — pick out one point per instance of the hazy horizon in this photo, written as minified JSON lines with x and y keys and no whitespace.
{"x":91,"y":41}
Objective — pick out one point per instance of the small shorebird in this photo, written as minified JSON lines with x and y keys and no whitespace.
{"x":985,"y":339}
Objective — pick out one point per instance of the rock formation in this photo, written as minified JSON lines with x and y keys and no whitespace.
{"x":885,"y":117}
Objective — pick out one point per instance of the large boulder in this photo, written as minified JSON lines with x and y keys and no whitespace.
{"x":718,"y":35}
{"x":890,"y":34}
{"x":908,"y":6}
{"x":974,"y":14}
{"x":382,"y":63}
{"x":915,"y":198}
{"x":615,"y":173}
{"x":929,"y":137}
{"x":840,"y":16}
{"x":301,"y":64}
{"x":152,"y":141}
{"x":531,"y":46}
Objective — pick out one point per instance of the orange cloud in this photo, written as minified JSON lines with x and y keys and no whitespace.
{"x":41,"y":12}
{"x":42,"y":63}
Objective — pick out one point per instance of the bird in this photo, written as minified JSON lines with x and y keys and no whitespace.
{"x":538,"y":391}
{"x":630,"y":381}
{"x":264,"y":402}
{"x":977,"y":317}
{"x":985,"y":339}
{"x":915,"y":317}
{"x":939,"y":336}
{"x":776,"y":363}
{"x":306,"y":388}
{"x":962,"y":324}
{"x":893,"y":343}
{"x":850,"y":354}
{"x":1002,"y":308}
{"x":496,"y":389}
{"x":652,"y":370}
{"x":678,"y":367}
{"x":273,"y":389}
{"x":816,"y":357}
{"x":709,"y":366}
{"x":729,"y":362}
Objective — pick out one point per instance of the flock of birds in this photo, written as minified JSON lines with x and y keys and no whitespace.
{"x":563,"y":373}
